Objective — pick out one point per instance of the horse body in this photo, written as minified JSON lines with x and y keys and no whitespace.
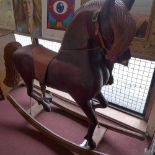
{"x":76,"y":68}
{"x":67,"y":74}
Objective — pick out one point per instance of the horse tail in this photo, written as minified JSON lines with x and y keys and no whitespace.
{"x":12,"y":77}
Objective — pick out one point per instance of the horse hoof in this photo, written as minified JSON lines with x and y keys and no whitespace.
{"x":88,"y":144}
{"x":84,"y":144}
{"x":48,"y":99}
{"x":110,"y":81}
{"x":99,"y":105}
{"x":46,"y":106}
{"x":104,"y":104}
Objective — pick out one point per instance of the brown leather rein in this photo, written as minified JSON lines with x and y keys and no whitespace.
{"x":97,"y":29}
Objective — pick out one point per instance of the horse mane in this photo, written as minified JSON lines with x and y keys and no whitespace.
{"x":129,"y":3}
{"x":91,"y":4}
{"x":104,"y":5}
{"x":99,"y":3}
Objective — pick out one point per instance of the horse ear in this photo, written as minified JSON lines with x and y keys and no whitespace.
{"x":106,"y":8}
{"x":128,"y":3}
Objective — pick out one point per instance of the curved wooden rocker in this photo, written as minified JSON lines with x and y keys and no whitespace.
{"x":72,"y":109}
{"x":48,"y":133}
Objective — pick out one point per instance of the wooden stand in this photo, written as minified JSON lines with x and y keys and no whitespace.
{"x":36,"y":109}
{"x":99,"y":134}
{"x":74,"y":110}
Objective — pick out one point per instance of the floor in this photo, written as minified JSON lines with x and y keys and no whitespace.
{"x":18,"y":137}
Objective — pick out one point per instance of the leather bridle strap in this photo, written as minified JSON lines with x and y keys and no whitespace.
{"x":97,"y":29}
{"x":82,"y":49}
{"x":101,"y":41}
{"x":97,"y":34}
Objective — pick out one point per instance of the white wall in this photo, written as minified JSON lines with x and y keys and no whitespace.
{"x":142,"y":6}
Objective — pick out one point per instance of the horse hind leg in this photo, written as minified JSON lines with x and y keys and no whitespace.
{"x":45,"y":101}
{"x":45,"y":96}
{"x":31,"y":93}
{"x":27,"y":72}
{"x":25,"y":68}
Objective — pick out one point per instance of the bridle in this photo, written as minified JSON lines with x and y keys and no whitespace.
{"x":95,"y":20}
{"x":98,"y":36}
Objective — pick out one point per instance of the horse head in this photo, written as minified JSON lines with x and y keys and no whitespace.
{"x":117,"y":27}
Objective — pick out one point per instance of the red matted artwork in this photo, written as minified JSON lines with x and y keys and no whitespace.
{"x":56,"y":16}
{"x":59,"y":13}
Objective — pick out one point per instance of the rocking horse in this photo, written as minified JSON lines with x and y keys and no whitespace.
{"x":97,"y":37}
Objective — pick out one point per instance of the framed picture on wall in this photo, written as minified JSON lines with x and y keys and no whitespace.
{"x":6,"y":15}
{"x":28,"y":17}
{"x":141,"y":11}
{"x":57,"y":14}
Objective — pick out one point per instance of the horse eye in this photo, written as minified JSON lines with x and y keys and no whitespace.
{"x":60,"y":7}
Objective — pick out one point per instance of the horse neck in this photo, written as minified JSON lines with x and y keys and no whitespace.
{"x":75,"y":40}
{"x":77,"y":34}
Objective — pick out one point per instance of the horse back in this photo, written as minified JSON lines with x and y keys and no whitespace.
{"x":33,"y":60}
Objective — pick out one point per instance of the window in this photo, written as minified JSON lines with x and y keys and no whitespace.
{"x":54,"y":46}
{"x":23,"y":40}
{"x":131,"y":85}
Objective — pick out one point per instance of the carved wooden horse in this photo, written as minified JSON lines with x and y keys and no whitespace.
{"x":100,"y":29}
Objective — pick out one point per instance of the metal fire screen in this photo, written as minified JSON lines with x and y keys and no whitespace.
{"x":131,"y":85}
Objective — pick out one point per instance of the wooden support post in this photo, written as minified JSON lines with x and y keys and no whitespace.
{"x":98,"y":134}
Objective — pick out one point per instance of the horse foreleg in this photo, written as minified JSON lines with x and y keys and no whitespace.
{"x":101,"y":99}
{"x":89,"y":111}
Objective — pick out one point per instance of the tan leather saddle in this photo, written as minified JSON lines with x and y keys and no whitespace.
{"x":42,"y":57}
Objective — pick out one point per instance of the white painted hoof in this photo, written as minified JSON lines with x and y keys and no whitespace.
{"x":84,"y":144}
